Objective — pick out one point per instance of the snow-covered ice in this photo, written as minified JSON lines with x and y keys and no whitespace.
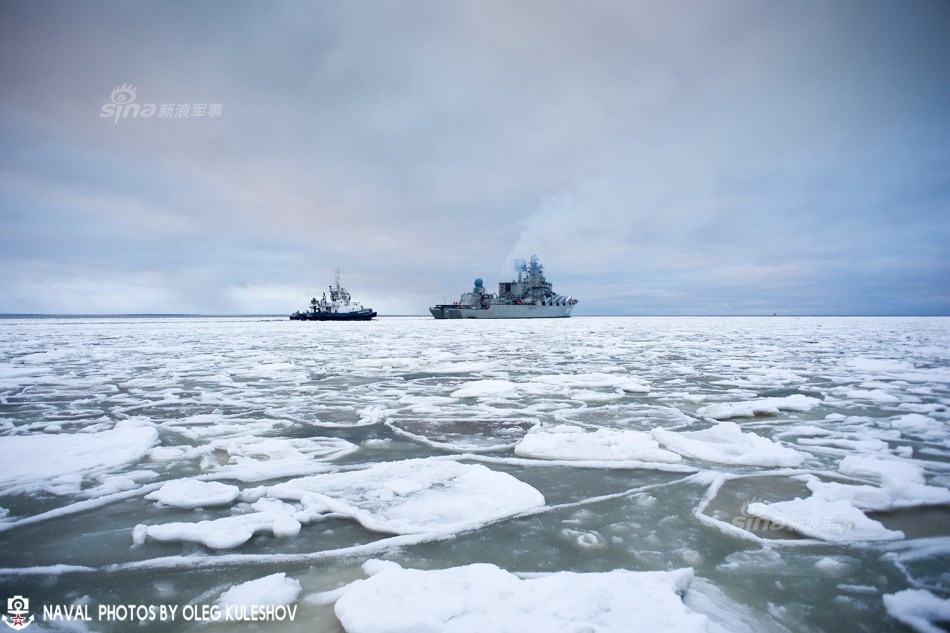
{"x":919,"y":609}
{"x":727,"y":443}
{"x":256,"y":458}
{"x":764,"y":406}
{"x":721,"y":474}
{"x":60,"y":463}
{"x":836,"y":520}
{"x":486,"y":389}
{"x":483,"y":597}
{"x":901,"y":478}
{"x":278,"y":519}
{"x":194,"y":493}
{"x":574,"y":443}
{"x":416,"y":496}
{"x":270,"y":590}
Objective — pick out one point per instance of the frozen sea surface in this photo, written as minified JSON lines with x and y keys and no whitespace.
{"x":747,"y":474}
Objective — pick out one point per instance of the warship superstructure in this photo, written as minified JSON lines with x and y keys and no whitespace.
{"x":339,"y":307}
{"x":530,"y":296}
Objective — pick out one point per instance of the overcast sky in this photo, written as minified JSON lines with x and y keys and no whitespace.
{"x":660,"y":157}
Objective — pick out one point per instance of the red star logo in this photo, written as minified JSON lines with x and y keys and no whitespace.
{"x":18,"y":620}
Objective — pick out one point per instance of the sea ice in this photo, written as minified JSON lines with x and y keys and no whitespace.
{"x":279,"y":519}
{"x":270,"y":590}
{"x":861,"y":497}
{"x":469,"y":434}
{"x":725,"y":443}
{"x":826,"y":520}
{"x":918,"y":609}
{"x":878,"y":365}
{"x":921,"y":427}
{"x":194,"y":493}
{"x":574,"y":443}
{"x":59,"y":463}
{"x":486,"y":389}
{"x":902,"y":479}
{"x":588,"y":381}
{"x":765,"y":406}
{"x":256,"y":459}
{"x":587,"y":395}
{"x":216,"y":425}
{"x":874,"y":395}
{"x":484,"y":597}
{"x":416,"y":495}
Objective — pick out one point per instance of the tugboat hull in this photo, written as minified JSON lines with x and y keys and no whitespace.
{"x":363,"y":315}
{"x":339,"y":307}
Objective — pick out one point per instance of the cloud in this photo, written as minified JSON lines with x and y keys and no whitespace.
{"x":674,"y":157}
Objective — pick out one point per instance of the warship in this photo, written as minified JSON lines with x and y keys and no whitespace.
{"x":340,"y":306}
{"x":528,"y":297}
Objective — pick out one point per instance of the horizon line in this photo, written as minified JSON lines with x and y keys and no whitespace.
{"x":80,"y":315}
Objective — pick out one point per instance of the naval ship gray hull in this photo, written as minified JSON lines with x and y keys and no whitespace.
{"x":500,"y":311}
{"x":529,"y":296}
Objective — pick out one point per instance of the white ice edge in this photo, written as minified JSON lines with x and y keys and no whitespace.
{"x":48,"y":570}
{"x":609,"y":496}
{"x":598,"y":465}
{"x":79,"y":506}
{"x":445,"y":446}
{"x":210,"y":561}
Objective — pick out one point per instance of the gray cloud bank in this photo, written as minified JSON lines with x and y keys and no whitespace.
{"x":660,"y":157}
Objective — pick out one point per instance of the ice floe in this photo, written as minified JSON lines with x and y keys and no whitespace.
{"x":469,"y":434}
{"x":726,"y":443}
{"x":567,"y":442}
{"x":257,"y":459}
{"x":61,"y":463}
{"x":872,"y":395}
{"x":891,"y":496}
{"x":416,"y":496}
{"x":764,"y":406}
{"x":269,"y":516}
{"x":276,"y":589}
{"x":194,"y":493}
{"x":486,"y":389}
{"x":902,"y":479}
{"x":211,"y":426}
{"x":484,"y":597}
{"x":918,"y":609}
{"x":588,"y":381}
{"x":835,"y":520}
{"x":917,"y":426}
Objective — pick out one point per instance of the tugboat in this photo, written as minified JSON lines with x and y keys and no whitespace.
{"x":530,"y":296}
{"x":340,"y":306}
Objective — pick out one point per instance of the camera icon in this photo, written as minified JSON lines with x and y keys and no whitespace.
{"x":18,"y":605}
